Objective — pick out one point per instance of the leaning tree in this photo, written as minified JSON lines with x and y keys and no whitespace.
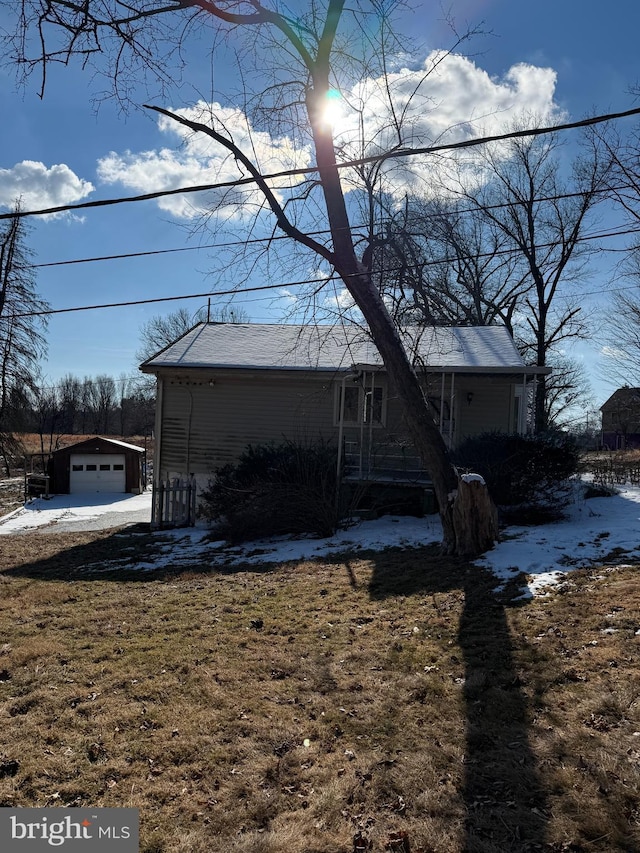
{"x":310,"y":58}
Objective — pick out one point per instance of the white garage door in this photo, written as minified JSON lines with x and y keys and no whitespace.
{"x":92,"y":472}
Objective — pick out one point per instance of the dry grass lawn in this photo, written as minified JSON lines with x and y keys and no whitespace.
{"x":320,"y":707}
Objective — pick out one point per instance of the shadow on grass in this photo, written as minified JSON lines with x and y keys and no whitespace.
{"x":505,"y":804}
{"x":125,"y":555}
{"x":504,"y":801}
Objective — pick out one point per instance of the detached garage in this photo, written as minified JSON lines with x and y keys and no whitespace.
{"x":97,"y":465}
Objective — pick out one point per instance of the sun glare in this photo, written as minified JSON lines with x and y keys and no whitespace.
{"x":332,"y":111}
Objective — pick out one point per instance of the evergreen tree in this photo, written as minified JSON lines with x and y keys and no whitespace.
{"x":22,"y":331}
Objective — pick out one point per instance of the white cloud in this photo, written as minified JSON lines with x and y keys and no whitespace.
{"x":612,"y":353}
{"x":200,"y":160}
{"x":39,"y":187}
{"x":447,"y":99}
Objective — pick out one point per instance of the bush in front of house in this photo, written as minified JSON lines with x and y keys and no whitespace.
{"x":274,"y":489}
{"x":529,"y":477}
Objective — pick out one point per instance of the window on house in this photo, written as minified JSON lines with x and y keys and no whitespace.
{"x":361,"y":405}
{"x":105,"y":467}
{"x":91,"y":467}
{"x":77,"y":467}
{"x":118,"y":467}
{"x":351,"y":411}
{"x":438,"y":405}
{"x":373,"y":408}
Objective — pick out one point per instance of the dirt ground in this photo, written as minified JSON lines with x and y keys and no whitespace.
{"x":11,"y":494}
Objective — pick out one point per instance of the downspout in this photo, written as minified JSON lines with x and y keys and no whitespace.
{"x":340,"y":439}
{"x":189,"y":421}
{"x":373,"y":385}
{"x":156,"y":508}
{"x":362,"y":384}
{"x":453,"y":377}
{"x":157,"y":451}
{"x":442,"y":404}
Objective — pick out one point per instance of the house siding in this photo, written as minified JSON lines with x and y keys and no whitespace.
{"x":621,"y":420}
{"x":490,"y":410}
{"x":209,"y":425}
{"x":209,"y":419}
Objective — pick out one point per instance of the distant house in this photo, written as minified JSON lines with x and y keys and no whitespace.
{"x":621,"y":419}
{"x":97,"y":465}
{"x":222,"y":387}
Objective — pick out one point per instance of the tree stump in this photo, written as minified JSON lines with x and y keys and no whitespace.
{"x":475,"y":518}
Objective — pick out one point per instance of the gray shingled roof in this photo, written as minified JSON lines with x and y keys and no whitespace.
{"x":331,"y":348}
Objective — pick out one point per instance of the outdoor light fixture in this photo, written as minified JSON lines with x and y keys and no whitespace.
{"x":470,"y":397}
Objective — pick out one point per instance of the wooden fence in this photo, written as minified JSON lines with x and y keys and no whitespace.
{"x":614,"y":468}
{"x":36,"y":486}
{"x":174,"y":503}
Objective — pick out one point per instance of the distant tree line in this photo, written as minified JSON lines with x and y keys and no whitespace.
{"x":92,"y":405}
{"x":100,"y":405}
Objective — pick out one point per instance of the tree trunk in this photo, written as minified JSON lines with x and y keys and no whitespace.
{"x":424,"y":432}
{"x":475,"y":518}
{"x":468,"y":515}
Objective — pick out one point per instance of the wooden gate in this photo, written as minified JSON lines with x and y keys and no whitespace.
{"x":174,"y":503}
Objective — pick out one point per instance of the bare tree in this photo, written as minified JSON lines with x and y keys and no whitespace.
{"x":442,"y":263}
{"x":86,"y":399}
{"x":569,"y":393}
{"x":303,"y":55}
{"x":163,"y":329}
{"x":70,"y":396}
{"x":543,"y":219}
{"x":624,"y":177}
{"x":105,"y":397}
{"x":44,"y":404}
{"x":620,"y":337}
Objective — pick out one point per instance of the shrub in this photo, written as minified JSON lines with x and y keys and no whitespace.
{"x":275,"y":489}
{"x":527,"y":474}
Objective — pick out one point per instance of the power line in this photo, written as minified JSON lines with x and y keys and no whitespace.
{"x":276,"y":237}
{"x":362,"y":161}
{"x":319,"y":282}
{"x":282,"y":285}
{"x":132,"y":302}
{"x":234,"y":243}
{"x":148,"y":252}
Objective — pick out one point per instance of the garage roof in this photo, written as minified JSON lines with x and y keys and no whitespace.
{"x":114,"y":445}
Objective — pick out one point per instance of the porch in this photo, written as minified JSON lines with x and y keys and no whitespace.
{"x":389,"y":462}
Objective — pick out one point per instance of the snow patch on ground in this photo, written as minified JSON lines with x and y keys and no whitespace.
{"x":88,"y":511}
{"x":592,"y":530}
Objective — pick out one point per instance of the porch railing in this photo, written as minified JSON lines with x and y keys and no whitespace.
{"x":390,"y":461}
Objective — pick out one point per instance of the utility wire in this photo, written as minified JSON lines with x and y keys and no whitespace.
{"x":319,"y":282}
{"x":235,"y":243}
{"x":132,"y":302}
{"x":362,"y":161}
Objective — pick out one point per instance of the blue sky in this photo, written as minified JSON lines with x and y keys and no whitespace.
{"x":590,"y":47}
